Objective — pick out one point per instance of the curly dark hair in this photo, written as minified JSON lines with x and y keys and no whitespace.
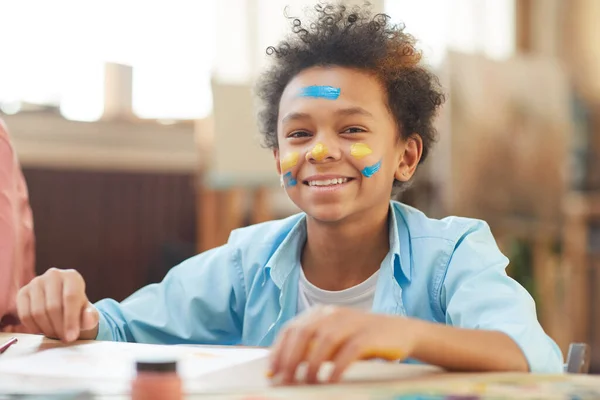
{"x":354,"y":38}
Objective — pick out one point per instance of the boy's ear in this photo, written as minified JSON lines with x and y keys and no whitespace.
{"x":277,"y":160}
{"x":411,"y":155}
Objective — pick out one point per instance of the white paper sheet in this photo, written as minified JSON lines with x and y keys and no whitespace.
{"x":105,"y":367}
{"x":117,"y":360}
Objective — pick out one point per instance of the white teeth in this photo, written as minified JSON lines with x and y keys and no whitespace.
{"x":328,"y":182}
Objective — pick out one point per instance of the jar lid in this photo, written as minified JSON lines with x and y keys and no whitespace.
{"x":156,"y":366}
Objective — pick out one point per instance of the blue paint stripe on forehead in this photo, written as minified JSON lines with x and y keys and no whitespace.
{"x":322,"y":92}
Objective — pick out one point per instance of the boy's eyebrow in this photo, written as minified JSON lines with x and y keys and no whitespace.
{"x":294,"y":117}
{"x":354,"y":111}
{"x":341,"y":112}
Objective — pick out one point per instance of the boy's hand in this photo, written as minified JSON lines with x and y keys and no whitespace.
{"x":340,"y":335}
{"x":56,"y":305}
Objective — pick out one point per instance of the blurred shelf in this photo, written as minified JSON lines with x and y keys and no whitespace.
{"x":47,"y":140}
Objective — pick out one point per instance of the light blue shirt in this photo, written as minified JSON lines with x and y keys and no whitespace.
{"x":447,"y":271}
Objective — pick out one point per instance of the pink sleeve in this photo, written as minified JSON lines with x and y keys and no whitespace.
{"x":17,"y":247}
{"x":8,"y":229}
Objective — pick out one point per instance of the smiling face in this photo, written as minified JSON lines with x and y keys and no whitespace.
{"x":339,"y":148}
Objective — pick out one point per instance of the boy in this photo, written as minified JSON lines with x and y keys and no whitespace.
{"x":348,"y":112}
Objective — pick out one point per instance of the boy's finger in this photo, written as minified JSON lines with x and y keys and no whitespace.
{"x":37,"y":304}
{"x":24,"y":311}
{"x":323,"y":347}
{"x":277,"y":353}
{"x":348,"y":353}
{"x":74,"y":302}
{"x":297,"y":350}
{"x":54,"y":306}
{"x":89,"y":318}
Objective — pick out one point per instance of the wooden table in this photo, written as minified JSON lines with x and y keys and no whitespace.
{"x":244,"y":383}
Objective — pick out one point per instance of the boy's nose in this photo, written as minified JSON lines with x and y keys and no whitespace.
{"x":322,"y":152}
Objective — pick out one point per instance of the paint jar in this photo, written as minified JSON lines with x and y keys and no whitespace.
{"x":156,"y":380}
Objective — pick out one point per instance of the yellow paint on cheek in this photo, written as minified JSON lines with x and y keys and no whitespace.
{"x":360,"y":150}
{"x":289,"y":161}
{"x":319,"y":152}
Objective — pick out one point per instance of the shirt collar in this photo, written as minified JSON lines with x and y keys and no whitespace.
{"x":400,"y":241}
{"x":286,"y":256}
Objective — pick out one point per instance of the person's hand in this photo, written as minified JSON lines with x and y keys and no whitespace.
{"x":56,"y":305}
{"x":340,"y":335}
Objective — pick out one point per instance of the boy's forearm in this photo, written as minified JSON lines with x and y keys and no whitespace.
{"x":457,"y":349}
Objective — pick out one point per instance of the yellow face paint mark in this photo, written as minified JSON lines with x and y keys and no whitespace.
{"x":360,"y":150}
{"x":289,"y":161}
{"x":319,"y":152}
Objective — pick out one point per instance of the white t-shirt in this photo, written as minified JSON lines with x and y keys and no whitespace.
{"x":360,"y":296}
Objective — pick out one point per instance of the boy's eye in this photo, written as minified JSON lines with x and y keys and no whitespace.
{"x":354,"y":129}
{"x":298,"y":134}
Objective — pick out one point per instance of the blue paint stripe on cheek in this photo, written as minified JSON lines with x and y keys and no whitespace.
{"x":322,"y":92}
{"x":371,"y":170}
{"x":289,"y":180}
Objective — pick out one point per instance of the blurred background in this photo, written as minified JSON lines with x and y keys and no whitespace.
{"x":134,"y":123}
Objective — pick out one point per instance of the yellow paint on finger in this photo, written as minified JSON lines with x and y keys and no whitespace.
{"x":389,"y":354}
{"x":360,"y":150}
{"x":289,"y":161}
{"x":319,"y":152}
